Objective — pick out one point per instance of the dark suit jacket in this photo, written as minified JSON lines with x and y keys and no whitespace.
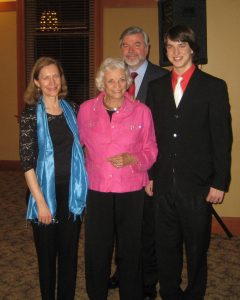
{"x":152,"y":72}
{"x":194,"y":139}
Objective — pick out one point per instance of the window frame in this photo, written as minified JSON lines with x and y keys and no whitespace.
{"x":94,"y":56}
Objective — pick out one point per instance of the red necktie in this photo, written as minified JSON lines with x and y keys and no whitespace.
{"x":131,"y":89}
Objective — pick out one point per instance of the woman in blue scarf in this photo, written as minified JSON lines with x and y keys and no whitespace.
{"x":53,"y":164}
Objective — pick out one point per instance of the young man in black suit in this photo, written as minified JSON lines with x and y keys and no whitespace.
{"x":134,"y":47}
{"x":192,"y":172}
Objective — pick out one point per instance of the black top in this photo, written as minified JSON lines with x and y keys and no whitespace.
{"x":62,"y":140}
{"x":110,"y":113}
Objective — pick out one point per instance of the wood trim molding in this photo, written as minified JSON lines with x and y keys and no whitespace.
{"x":129,"y":3}
{"x":8,"y":6}
{"x":21,"y":77}
{"x":10,"y":165}
{"x":98,"y":6}
{"x":232,"y":223}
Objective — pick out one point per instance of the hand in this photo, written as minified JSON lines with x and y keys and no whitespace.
{"x":44,"y":214}
{"x":122,"y":160}
{"x":215,"y":196}
{"x":149,"y":188}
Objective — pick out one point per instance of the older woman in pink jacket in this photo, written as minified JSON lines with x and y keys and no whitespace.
{"x":119,"y":139}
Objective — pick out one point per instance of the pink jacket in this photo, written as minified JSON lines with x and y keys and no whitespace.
{"x":131,"y":130}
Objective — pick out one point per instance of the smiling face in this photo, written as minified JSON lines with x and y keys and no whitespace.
{"x":180,"y":55}
{"x":115,"y":84}
{"x":134,"y":50}
{"x":49,"y":81}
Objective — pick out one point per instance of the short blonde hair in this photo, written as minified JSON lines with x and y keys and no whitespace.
{"x":111,"y":64}
{"x":32,"y":92}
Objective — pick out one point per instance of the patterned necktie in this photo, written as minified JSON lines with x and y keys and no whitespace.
{"x":178,"y":92}
{"x":131,"y":89}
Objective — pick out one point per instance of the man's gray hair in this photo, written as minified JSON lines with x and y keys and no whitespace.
{"x":134,"y":30}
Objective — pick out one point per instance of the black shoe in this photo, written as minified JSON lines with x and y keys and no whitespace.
{"x":149,"y":293}
{"x":113,"y":282}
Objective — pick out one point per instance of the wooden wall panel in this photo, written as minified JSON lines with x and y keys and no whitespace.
{"x":7,"y":6}
{"x":129,"y":3}
{"x":233,"y":225}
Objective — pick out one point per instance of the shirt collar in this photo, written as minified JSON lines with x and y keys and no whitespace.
{"x":141,"y":70}
{"x":186,"y":75}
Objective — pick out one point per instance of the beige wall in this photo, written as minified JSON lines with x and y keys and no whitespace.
{"x":223,"y":23}
{"x":8,"y":87}
{"x":223,"y":49}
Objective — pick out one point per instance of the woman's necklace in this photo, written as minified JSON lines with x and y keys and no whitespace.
{"x":110,"y":108}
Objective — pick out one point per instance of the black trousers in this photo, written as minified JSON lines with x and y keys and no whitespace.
{"x":149,"y":259}
{"x":110,"y":215}
{"x":182,"y":219}
{"x":57,"y":250}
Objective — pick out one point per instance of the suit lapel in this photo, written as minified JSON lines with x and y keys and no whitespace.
{"x":142,"y":93}
{"x":169,"y":91}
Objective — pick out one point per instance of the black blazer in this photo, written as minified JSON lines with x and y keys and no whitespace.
{"x":152,"y":72}
{"x":194,"y":139}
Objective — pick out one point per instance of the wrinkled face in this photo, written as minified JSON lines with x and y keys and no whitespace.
{"x":180,"y":55}
{"x":49,"y":81}
{"x":134,"y":50}
{"x":115,"y":84}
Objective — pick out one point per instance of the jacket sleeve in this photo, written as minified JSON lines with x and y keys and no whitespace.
{"x":148,"y":155}
{"x":150,"y":103}
{"x":221,"y":136}
{"x":80,"y":122}
{"x":28,"y":147}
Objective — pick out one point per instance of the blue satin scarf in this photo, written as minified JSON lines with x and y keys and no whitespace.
{"x":45,"y":165}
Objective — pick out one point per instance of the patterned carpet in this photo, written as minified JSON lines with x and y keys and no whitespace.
{"x":19,"y":277}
